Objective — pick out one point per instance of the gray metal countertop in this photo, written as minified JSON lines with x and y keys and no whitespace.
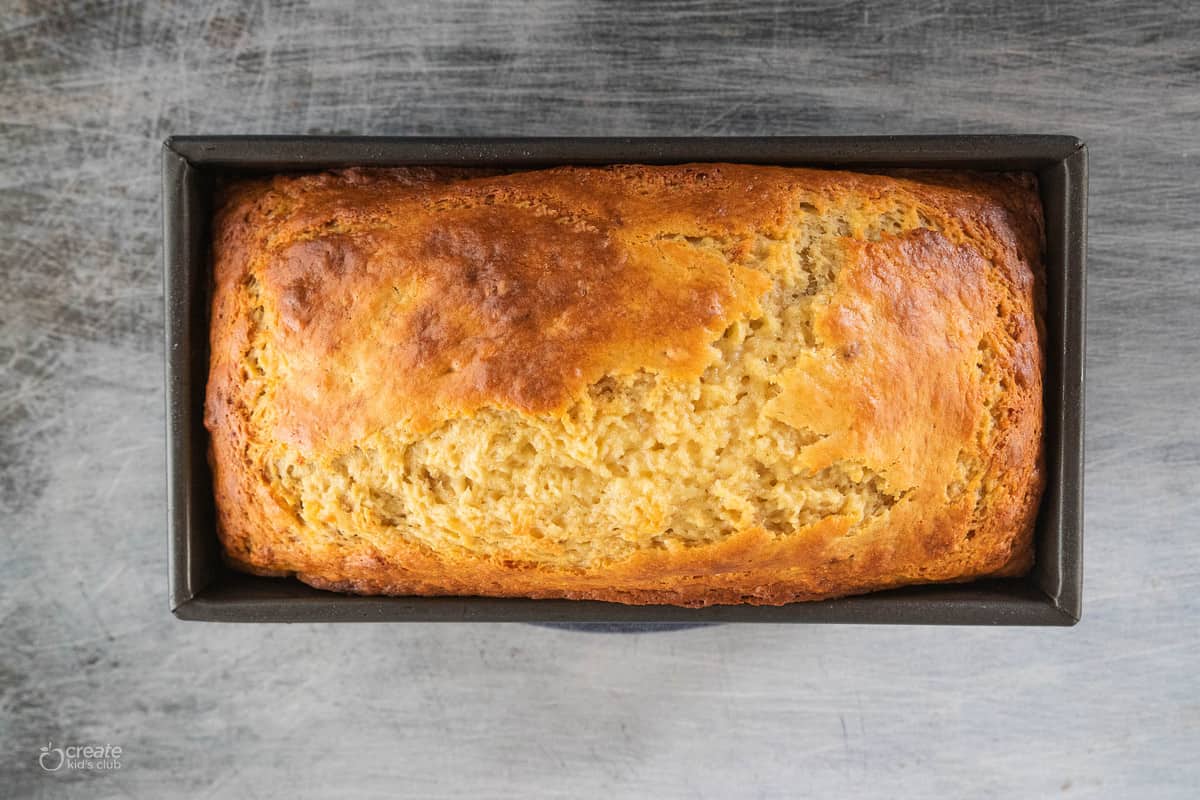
{"x":90,"y":655}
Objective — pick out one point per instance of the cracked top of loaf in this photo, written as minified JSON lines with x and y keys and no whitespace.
{"x":696,"y":384}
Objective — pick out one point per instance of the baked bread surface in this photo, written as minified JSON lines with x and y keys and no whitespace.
{"x":695,"y":384}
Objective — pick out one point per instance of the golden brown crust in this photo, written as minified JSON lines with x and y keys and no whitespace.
{"x":358,"y":314}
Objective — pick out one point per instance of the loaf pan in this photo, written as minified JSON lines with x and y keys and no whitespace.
{"x":202,"y":587}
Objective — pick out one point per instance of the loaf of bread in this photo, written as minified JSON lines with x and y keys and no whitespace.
{"x":697,"y":384}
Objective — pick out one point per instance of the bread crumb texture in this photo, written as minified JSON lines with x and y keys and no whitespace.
{"x":693,"y":384}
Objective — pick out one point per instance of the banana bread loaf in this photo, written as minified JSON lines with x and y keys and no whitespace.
{"x":697,"y":384}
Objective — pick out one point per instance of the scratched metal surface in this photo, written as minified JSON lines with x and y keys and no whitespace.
{"x":89,"y":653}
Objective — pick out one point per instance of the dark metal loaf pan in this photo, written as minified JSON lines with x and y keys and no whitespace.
{"x":203,"y":588}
